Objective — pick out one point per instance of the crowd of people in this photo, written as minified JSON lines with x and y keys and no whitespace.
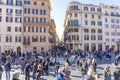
{"x":38,"y":65}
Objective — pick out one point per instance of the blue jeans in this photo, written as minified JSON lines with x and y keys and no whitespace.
{"x":7,"y":74}
{"x":33,"y":75}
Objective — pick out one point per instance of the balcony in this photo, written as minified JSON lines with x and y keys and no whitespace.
{"x":26,"y":43}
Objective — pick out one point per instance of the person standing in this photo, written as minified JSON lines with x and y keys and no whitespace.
{"x":27,"y":70}
{"x":67,"y":71}
{"x":60,"y":75}
{"x":7,"y":70}
{"x":34,"y":70}
{"x":45,"y":67}
{"x":40,"y":72}
{"x":107,"y":74}
{"x":1,"y":71}
{"x":117,"y":73}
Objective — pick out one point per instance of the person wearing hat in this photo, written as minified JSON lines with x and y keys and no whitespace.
{"x":16,"y":76}
{"x":107,"y":74}
{"x":117,"y":73}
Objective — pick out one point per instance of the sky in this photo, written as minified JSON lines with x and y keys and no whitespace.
{"x":59,"y":8}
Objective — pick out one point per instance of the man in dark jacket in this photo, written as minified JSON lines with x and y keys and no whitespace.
{"x":117,"y":74}
{"x":27,"y":70}
{"x":7,"y":70}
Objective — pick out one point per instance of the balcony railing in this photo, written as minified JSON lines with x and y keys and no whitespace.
{"x":26,"y":43}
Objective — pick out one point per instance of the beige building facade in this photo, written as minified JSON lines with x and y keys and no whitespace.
{"x":111,"y":24}
{"x":85,"y":27}
{"x":25,"y":25}
{"x":10,"y":26}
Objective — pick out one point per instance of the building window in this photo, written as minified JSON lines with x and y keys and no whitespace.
{"x":9,"y":2}
{"x":99,"y":17}
{"x":35,"y":20}
{"x":75,"y":22}
{"x":118,"y":33}
{"x":9,"y":19}
{"x":99,"y":23}
{"x":27,"y":2}
{"x":76,"y":15}
{"x":112,"y":26}
{"x":113,"y":40}
{"x":85,"y":15}
{"x":18,"y":12}
{"x":35,"y":3}
{"x":92,"y":30}
{"x":113,"y":33}
{"x":17,"y":39}
{"x":86,"y":37}
{"x":99,"y":10}
{"x":106,"y":26}
{"x":86,"y":30}
{"x":93,"y":23}
{"x":42,"y":20}
{"x":18,"y":20}
{"x":26,"y":19}
{"x":106,"y":20}
{"x":34,"y":29}
{"x":93,"y":37}
{"x":99,"y":37}
{"x":8,"y":38}
{"x":107,"y":33}
{"x":0,"y":19}
{"x":26,"y":29}
{"x":86,"y":8}
{"x":42,"y":39}
{"x":92,"y":9}
{"x":42,"y":29}
{"x":86,"y":22}
{"x":42,"y":3}
{"x":92,"y":16}
{"x":43,"y":12}
{"x":118,"y":21}
{"x":18,"y":3}
{"x":27,"y":10}
{"x":35,"y":11}
{"x":34,"y":39}
{"x":9,"y":11}
{"x":75,"y":7}
{"x":112,"y":14}
{"x":26,"y":40}
{"x":0,"y":10}
{"x":117,"y":26}
{"x":99,"y":31}
{"x":112,"y":20}
{"x":8,"y":29}
{"x":17,"y":29}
